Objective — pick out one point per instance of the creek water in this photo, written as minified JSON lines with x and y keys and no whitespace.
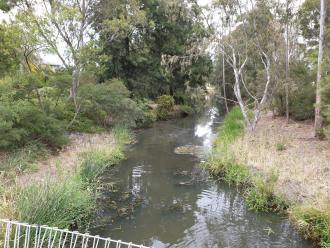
{"x":168,"y":201}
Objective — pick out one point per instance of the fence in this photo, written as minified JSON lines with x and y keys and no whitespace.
{"x":22,"y":235}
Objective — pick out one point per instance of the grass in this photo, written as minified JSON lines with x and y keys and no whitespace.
{"x":229,"y":171}
{"x":234,"y":152}
{"x":94,"y":162}
{"x":22,"y":159}
{"x":66,"y":201}
{"x":122,"y":135}
{"x":60,"y":204}
{"x":313,"y":223}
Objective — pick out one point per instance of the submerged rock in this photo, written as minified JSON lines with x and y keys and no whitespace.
{"x":186,"y":183}
{"x":181,"y":173}
{"x":190,"y":150}
{"x":176,"y":206}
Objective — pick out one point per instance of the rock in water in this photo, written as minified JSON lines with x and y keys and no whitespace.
{"x":191,"y":150}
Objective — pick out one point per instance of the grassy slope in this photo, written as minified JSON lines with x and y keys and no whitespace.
{"x":259,"y":185}
{"x":69,"y":198}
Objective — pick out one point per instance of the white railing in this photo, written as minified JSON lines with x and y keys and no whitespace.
{"x":22,"y":235}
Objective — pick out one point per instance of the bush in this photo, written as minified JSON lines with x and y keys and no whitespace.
{"x":109,"y":104}
{"x":187,"y":110}
{"x":24,"y":118}
{"x":165,"y":106}
{"x":148,"y":117}
{"x":21,"y":122}
{"x":302,"y":103}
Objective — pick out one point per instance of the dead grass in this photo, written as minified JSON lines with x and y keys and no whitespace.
{"x":65,"y":161}
{"x":302,"y":163}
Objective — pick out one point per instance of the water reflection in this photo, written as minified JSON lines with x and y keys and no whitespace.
{"x":171,"y":214}
{"x":204,"y":127}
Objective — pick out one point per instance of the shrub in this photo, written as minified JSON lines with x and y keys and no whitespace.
{"x":24,"y":117}
{"x":165,"y":106}
{"x":148,"y":119}
{"x":22,"y":122}
{"x":187,"y":110}
{"x":109,"y":104}
{"x":148,"y":116}
{"x":302,"y":103}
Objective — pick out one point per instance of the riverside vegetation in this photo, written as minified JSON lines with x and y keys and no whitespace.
{"x":62,"y":125}
{"x":123,"y":65}
{"x":259,"y":186}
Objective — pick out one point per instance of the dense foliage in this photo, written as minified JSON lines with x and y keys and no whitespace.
{"x":145,"y":49}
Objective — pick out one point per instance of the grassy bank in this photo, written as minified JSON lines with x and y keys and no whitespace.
{"x":68,"y":199}
{"x":259,"y":186}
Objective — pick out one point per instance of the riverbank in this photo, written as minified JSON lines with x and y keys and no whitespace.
{"x":281,"y":168}
{"x":63,"y":188}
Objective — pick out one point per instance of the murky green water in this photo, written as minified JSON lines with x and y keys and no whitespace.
{"x":170,"y":202}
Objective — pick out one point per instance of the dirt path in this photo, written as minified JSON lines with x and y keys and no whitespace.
{"x":67,"y":159}
{"x":302,"y":162}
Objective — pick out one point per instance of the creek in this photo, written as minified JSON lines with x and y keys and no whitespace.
{"x":162,"y":198}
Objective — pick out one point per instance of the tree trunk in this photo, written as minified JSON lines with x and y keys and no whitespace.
{"x":224,"y":83}
{"x":287,"y":69}
{"x":318,"y":100}
{"x":74,"y":87}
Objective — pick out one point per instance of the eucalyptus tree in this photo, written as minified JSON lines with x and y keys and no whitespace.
{"x":251,"y":40}
{"x":318,"y":101}
{"x":63,"y":28}
{"x":314,"y":25}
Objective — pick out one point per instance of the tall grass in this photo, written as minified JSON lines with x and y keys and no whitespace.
{"x":94,"y":162}
{"x":232,"y":128}
{"x":60,"y":204}
{"x":122,"y":135}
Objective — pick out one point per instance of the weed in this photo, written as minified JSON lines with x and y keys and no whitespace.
{"x":280,"y":146}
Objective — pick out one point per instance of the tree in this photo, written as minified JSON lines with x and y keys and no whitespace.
{"x":62,"y":27}
{"x":252,"y":41}
{"x":157,"y":52}
{"x":318,"y":101}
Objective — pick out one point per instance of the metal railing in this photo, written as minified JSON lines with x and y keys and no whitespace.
{"x":22,"y":235}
